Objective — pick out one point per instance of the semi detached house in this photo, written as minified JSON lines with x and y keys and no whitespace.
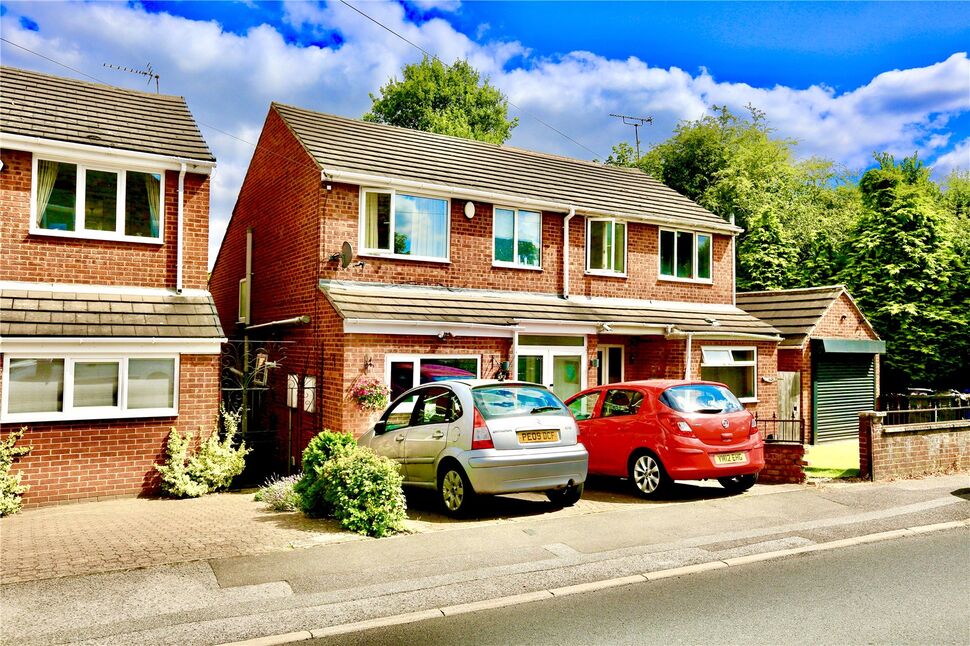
{"x":471,"y":259}
{"x":108,"y":337}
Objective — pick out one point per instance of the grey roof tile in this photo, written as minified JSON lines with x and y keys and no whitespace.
{"x":794,"y":312}
{"x":52,"y":107}
{"x":338,"y":143}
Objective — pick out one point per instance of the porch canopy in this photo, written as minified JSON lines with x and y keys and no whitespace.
{"x":375,"y":308}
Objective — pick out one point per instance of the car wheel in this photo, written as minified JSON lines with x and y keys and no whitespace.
{"x":647,"y":475}
{"x":565,"y":497}
{"x":455,"y":491}
{"x":737,"y":484}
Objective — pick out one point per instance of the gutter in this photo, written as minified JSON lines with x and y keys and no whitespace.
{"x":365,"y":179}
{"x":179,"y":235}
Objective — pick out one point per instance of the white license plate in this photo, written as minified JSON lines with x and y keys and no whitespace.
{"x":531,"y":437}
{"x":730,"y":458}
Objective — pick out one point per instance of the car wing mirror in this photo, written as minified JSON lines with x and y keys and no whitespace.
{"x":380,"y":427}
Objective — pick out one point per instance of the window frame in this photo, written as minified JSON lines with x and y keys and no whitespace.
{"x":389,"y":253}
{"x":753,"y":364}
{"x":70,"y":412}
{"x":626,"y":246}
{"x":696,"y":256}
{"x":416,"y":360}
{"x":515,"y":264}
{"x":121,"y":170}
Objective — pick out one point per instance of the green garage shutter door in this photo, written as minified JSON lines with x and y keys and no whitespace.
{"x":844,"y":385}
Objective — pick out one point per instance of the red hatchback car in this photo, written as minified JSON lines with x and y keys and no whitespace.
{"x":657,"y":431}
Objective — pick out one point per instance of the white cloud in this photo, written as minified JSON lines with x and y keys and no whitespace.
{"x":229,"y":80}
{"x":956,"y":159}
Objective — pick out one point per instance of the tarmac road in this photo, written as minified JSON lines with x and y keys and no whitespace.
{"x":912,"y":590}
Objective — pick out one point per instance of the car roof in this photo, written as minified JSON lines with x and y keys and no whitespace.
{"x":655,"y":384}
{"x":478,"y":383}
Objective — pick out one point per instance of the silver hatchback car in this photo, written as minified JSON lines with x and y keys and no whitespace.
{"x":471,"y":437}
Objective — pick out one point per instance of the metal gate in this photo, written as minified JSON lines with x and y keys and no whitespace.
{"x":843,"y":385}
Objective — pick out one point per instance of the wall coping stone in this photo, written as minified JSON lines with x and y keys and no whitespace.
{"x":955,"y":426}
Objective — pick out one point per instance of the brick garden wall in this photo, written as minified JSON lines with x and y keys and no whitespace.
{"x":45,"y":259}
{"x":784,"y":464}
{"x":84,"y":460}
{"x":889,"y":452}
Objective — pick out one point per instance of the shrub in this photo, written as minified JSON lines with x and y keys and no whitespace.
{"x":213,"y":466}
{"x":10,"y":487}
{"x":364,"y":491}
{"x":278,"y":494}
{"x":321,"y":448}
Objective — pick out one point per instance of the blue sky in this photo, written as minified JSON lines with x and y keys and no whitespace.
{"x":845,"y":79}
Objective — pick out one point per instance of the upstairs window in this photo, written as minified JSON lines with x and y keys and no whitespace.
{"x":685,"y":255}
{"x":79,"y":201}
{"x":407,"y":226}
{"x":606,"y":247}
{"x":517,"y":238}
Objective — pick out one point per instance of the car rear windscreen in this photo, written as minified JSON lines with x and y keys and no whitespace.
{"x":701,"y":398}
{"x":508,"y":401}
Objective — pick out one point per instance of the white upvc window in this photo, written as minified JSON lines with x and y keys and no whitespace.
{"x":737,"y":368}
{"x":402,"y":225}
{"x":55,"y":388}
{"x":606,"y":246}
{"x":516,"y":238}
{"x":685,"y":255}
{"x":405,"y":371}
{"x":101,"y":202}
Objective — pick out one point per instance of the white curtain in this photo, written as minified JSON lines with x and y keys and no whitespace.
{"x":153,"y":187}
{"x":425,"y":221}
{"x":46,"y":177}
{"x":370,"y":221}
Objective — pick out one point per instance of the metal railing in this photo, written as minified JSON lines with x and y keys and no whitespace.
{"x":926,"y":415}
{"x":774,"y":429}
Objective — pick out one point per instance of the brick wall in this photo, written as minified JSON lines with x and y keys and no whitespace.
{"x":38,"y":258}
{"x":784,"y":464}
{"x":911,"y":450}
{"x":85,"y":460}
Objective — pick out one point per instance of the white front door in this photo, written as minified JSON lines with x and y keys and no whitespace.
{"x":560,"y":369}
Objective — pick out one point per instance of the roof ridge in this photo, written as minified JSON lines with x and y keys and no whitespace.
{"x":792,"y":289}
{"x":98,"y":84}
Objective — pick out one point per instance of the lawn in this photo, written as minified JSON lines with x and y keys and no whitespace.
{"x":833,"y":460}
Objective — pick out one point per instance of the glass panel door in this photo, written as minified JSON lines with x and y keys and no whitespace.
{"x":566,"y":375}
{"x":530,"y":368}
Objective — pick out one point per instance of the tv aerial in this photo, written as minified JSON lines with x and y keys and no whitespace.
{"x":636,"y":122}
{"x":148,"y":71}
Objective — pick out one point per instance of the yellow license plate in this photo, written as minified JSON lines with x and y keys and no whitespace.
{"x":529,"y":437}
{"x":729,"y":458}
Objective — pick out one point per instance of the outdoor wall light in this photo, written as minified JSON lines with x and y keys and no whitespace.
{"x":469,"y":210}
{"x":444,"y":335}
{"x":368,"y":364}
{"x":594,"y":363}
{"x":504,"y":366}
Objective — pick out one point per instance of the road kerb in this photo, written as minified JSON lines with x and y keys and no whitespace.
{"x":593,"y":586}
{"x":539,"y":595}
{"x":380,"y":622}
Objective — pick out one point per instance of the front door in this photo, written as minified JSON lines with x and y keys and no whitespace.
{"x":560,"y":369}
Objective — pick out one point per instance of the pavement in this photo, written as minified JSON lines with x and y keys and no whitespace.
{"x":221,"y":569}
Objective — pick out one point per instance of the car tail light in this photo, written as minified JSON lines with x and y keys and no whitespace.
{"x":754,"y":426}
{"x":481,"y":437}
{"x":677,"y":426}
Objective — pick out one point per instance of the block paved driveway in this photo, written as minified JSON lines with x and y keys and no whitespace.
{"x":129,"y":533}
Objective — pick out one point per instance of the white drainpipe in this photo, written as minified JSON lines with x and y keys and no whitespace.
{"x":180,"y":243}
{"x":687,"y":369}
{"x":565,"y":251}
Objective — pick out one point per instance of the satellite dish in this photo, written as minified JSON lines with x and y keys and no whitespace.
{"x":346,"y":255}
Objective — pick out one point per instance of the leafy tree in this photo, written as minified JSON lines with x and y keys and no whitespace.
{"x":449,"y":100}
{"x":902,"y":268}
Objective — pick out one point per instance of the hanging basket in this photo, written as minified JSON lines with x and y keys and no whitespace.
{"x":370,"y":394}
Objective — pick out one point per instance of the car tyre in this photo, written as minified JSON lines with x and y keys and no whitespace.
{"x":737,"y":484}
{"x":648,"y":476}
{"x":565,"y":497}
{"x":455,"y":491}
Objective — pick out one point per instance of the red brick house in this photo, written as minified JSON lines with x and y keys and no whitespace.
{"x":828,"y":360}
{"x":108,"y":335}
{"x":471,"y":258}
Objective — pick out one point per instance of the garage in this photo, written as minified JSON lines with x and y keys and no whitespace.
{"x":843,"y":385}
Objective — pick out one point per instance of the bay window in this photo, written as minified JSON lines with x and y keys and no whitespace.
{"x":75,"y":200}
{"x":736,"y":368}
{"x":605,"y":246}
{"x":71,"y":388}
{"x":685,"y":255}
{"x":407,"y":226}
{"x":517,"y":238}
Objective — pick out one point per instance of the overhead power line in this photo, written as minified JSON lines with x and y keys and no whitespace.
{"x":432,"y":56}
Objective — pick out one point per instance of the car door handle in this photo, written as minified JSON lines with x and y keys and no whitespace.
{"x":437,"y":435}
{"x":399,"y":438}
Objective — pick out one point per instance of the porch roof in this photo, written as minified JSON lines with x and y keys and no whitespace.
{"x":377,"y":302}
{"x":104,"y":312}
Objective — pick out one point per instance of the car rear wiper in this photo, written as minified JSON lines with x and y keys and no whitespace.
{"x":542,"y":409}
{"x":709,"y":411}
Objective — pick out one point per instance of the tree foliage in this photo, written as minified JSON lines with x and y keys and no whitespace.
{"x":449,"y":100}
{"x":897,"y":239}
